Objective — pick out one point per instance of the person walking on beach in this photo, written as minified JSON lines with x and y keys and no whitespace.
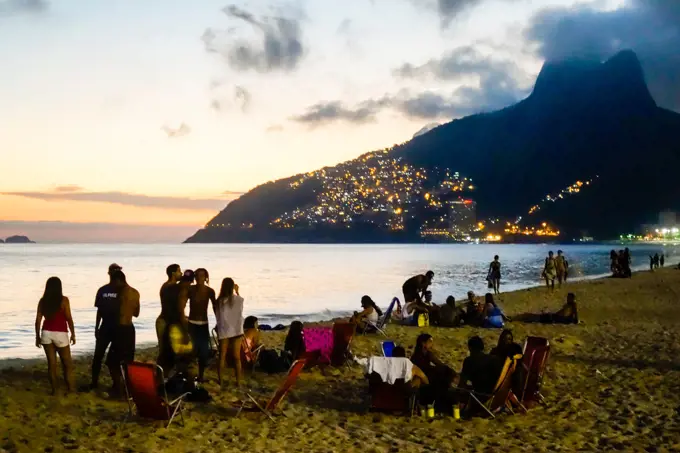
{"x":174,"y":273}
{"x":549,"y":271}
{"x":662,"y":260}
{"x":656,"y":261}
{"x":230,"y":328}
{"x":123,"y":345}
{"x":415,"y":287}
{"x":106,"y":303}
{"x":494,"y":275}
{"x":200,"y":295}
{"x":560,"y":267}
{"x":55,"y":309}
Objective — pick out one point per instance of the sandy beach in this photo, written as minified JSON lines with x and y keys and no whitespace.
{"x":613,"y":383}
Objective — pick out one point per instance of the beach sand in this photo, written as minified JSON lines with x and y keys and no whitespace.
{"x":612,"y":383}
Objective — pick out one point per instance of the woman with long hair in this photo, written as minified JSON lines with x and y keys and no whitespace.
{"x":229,"y":313}
{"x":55,"y":309}
{"x":367,"y":319}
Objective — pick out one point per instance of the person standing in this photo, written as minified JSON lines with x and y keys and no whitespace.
{"x":549,"y":271}
{"x":560,"y":267}
{"x":106,"y":302}
{"x":55,"y":309}
{"x":174,"y":273}
{"x":494,"y":275}
{"x":200,"y":295}
{"x":415,"y":287}
{"x":230,"y":328}
{"x":662,"y":260}
{"x":123,"y":346}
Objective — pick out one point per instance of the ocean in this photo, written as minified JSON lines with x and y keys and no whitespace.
{"x":280,"y":283}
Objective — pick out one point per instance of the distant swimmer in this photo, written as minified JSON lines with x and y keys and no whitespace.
{"x":174,"y":273}
{"x":200,"y":295}
{"x":414,"y":288}
{"x":55,"y":309}
{"x":123,"y":346}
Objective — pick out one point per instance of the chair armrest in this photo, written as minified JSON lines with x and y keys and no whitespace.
{"x":179,"y":398}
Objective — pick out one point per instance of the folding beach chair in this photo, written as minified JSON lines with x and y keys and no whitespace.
{"x":387,"y":347}
{"x":383,"y":321}
{"x":269,"y":407}
{"x":248,"y":355}
{"x":343,"y":333}
{"x":536,"y":353}
{"x":142,"y":382}
{"x":386,"y":397}
{"x":501,"y":397}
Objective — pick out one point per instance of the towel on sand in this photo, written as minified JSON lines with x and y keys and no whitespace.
{"x":390,"y":368}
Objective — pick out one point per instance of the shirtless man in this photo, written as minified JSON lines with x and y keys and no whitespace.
{"x":174,"y":273}
{"x":199,"y":330}
{"x":123,"y":347}
{"x":415,"y":287}
{"x":173,"y":302}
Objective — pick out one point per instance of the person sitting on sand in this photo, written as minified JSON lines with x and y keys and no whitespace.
{"x":474,"y":311}
{"x":491,"y":309}
{"x":568,"y":314}
{"x":439,"y":374}
{"x":450,"y":315}
{"x":480,"y":371}
{"x":295,"y":343}
{"x":550,"y":271}
{"x":506,"y":346}
{"x":123,"y":347}
{"x":200,"y":295}
{"x":55,"y":309}
{"x":366,"y":320}
{"x":230,"y":328}
{"x":414,"y":287}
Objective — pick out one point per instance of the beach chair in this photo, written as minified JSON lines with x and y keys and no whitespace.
{"x":501,"y":397}
{"x":387,"y":347}
{"x":268,"y":407}
{"x":385,"y":397}
{"x":248,"y":354}
{"x":142,"y":383}
{"x":384,"y":320}
{"x":343,"y":333}
{"x":536,"y":352}
{"x":319,"y":343}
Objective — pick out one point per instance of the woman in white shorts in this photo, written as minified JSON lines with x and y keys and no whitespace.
{"x":229,"y":314}
{"x":54,"y":337}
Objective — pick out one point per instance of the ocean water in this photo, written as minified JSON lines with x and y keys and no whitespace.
{"x":280,"y":283}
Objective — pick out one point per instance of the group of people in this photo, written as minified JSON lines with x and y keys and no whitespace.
{"x":620,"y":263}
{"x":437,"y":383}
{"x":555,"y":268}
{"x":656,"y":261}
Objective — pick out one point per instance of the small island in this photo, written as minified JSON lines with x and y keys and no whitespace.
{"x":17,"y":240}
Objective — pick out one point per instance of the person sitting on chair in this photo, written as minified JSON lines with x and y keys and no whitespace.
{"x":439,"y":374}
{"x":251,"y":339}
{"x":367,"y":319}
{"x":480,"y":371}
{"x":506,"y":346}
{"x":295,"y":343}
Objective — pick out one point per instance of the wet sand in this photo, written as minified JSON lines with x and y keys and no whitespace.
{"x":612,"y":383}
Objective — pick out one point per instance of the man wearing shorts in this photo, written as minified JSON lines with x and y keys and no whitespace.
{"x":200,"y":295}
{"x":174,"y":273}
{"x":123,"y":347}
{"x":106,"y":303}
{"x":415,"y":287}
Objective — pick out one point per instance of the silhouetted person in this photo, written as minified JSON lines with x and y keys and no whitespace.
{"x":662,"y":260}
{"x":494,"y":275}
{"x":550,"y":271}
{"x":656,"y":260}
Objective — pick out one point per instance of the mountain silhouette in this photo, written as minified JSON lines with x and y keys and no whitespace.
{"x":584,"y":119}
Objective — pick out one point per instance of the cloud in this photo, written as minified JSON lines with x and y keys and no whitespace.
{"x":232,"y":193}
{"x":180,"y":131}
{"x":12,"y":7}
{"x":325,"y":112}
{"x":243,"y":97}
{"x":274,"y":128}
{"x":130,"y":199}
{"x":651,"y":28}
{"x":68,"y":189}
{"x":446,"y":9}
{"x":277,"y":47}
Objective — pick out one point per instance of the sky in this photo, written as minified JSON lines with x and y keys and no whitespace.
{"x":137,"y":121}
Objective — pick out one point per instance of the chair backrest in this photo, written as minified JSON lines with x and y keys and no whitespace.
{"x":536,"y":354}
{"x":247,"y":355}
{"x":319,"y":339}
{"x":343,"y":332}
{"x":387,"y":348}
{"x":286,"y":385}
{"x":501,"y":391}
{"x":382,"y":322}
{"x":141,"y":382}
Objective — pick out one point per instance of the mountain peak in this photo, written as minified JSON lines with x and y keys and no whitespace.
{"x":619,"y":80}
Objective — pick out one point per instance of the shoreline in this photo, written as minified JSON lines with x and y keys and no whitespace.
{"x":611,"y":384}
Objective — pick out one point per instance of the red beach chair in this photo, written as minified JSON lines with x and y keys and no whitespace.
{"x":142,"y":382}
{"x":536,"y":354}
{"x":343,"y":332}
{"x":269,"y":407}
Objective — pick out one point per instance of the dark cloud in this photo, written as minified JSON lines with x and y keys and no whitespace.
{"x":447,"y":9}
{"x":128,"y":199}
{"x":279,"y":47}
{"x":651,"y":28}
{"x":326,"y":112}
{"x":11,"y":7}
{"x":176,"y":132}
{"x":226,"y":97}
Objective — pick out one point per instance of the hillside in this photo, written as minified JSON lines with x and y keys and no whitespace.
{"x":584,"y":121}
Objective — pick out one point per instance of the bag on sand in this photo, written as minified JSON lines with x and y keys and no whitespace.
{"x":423,"y":320}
